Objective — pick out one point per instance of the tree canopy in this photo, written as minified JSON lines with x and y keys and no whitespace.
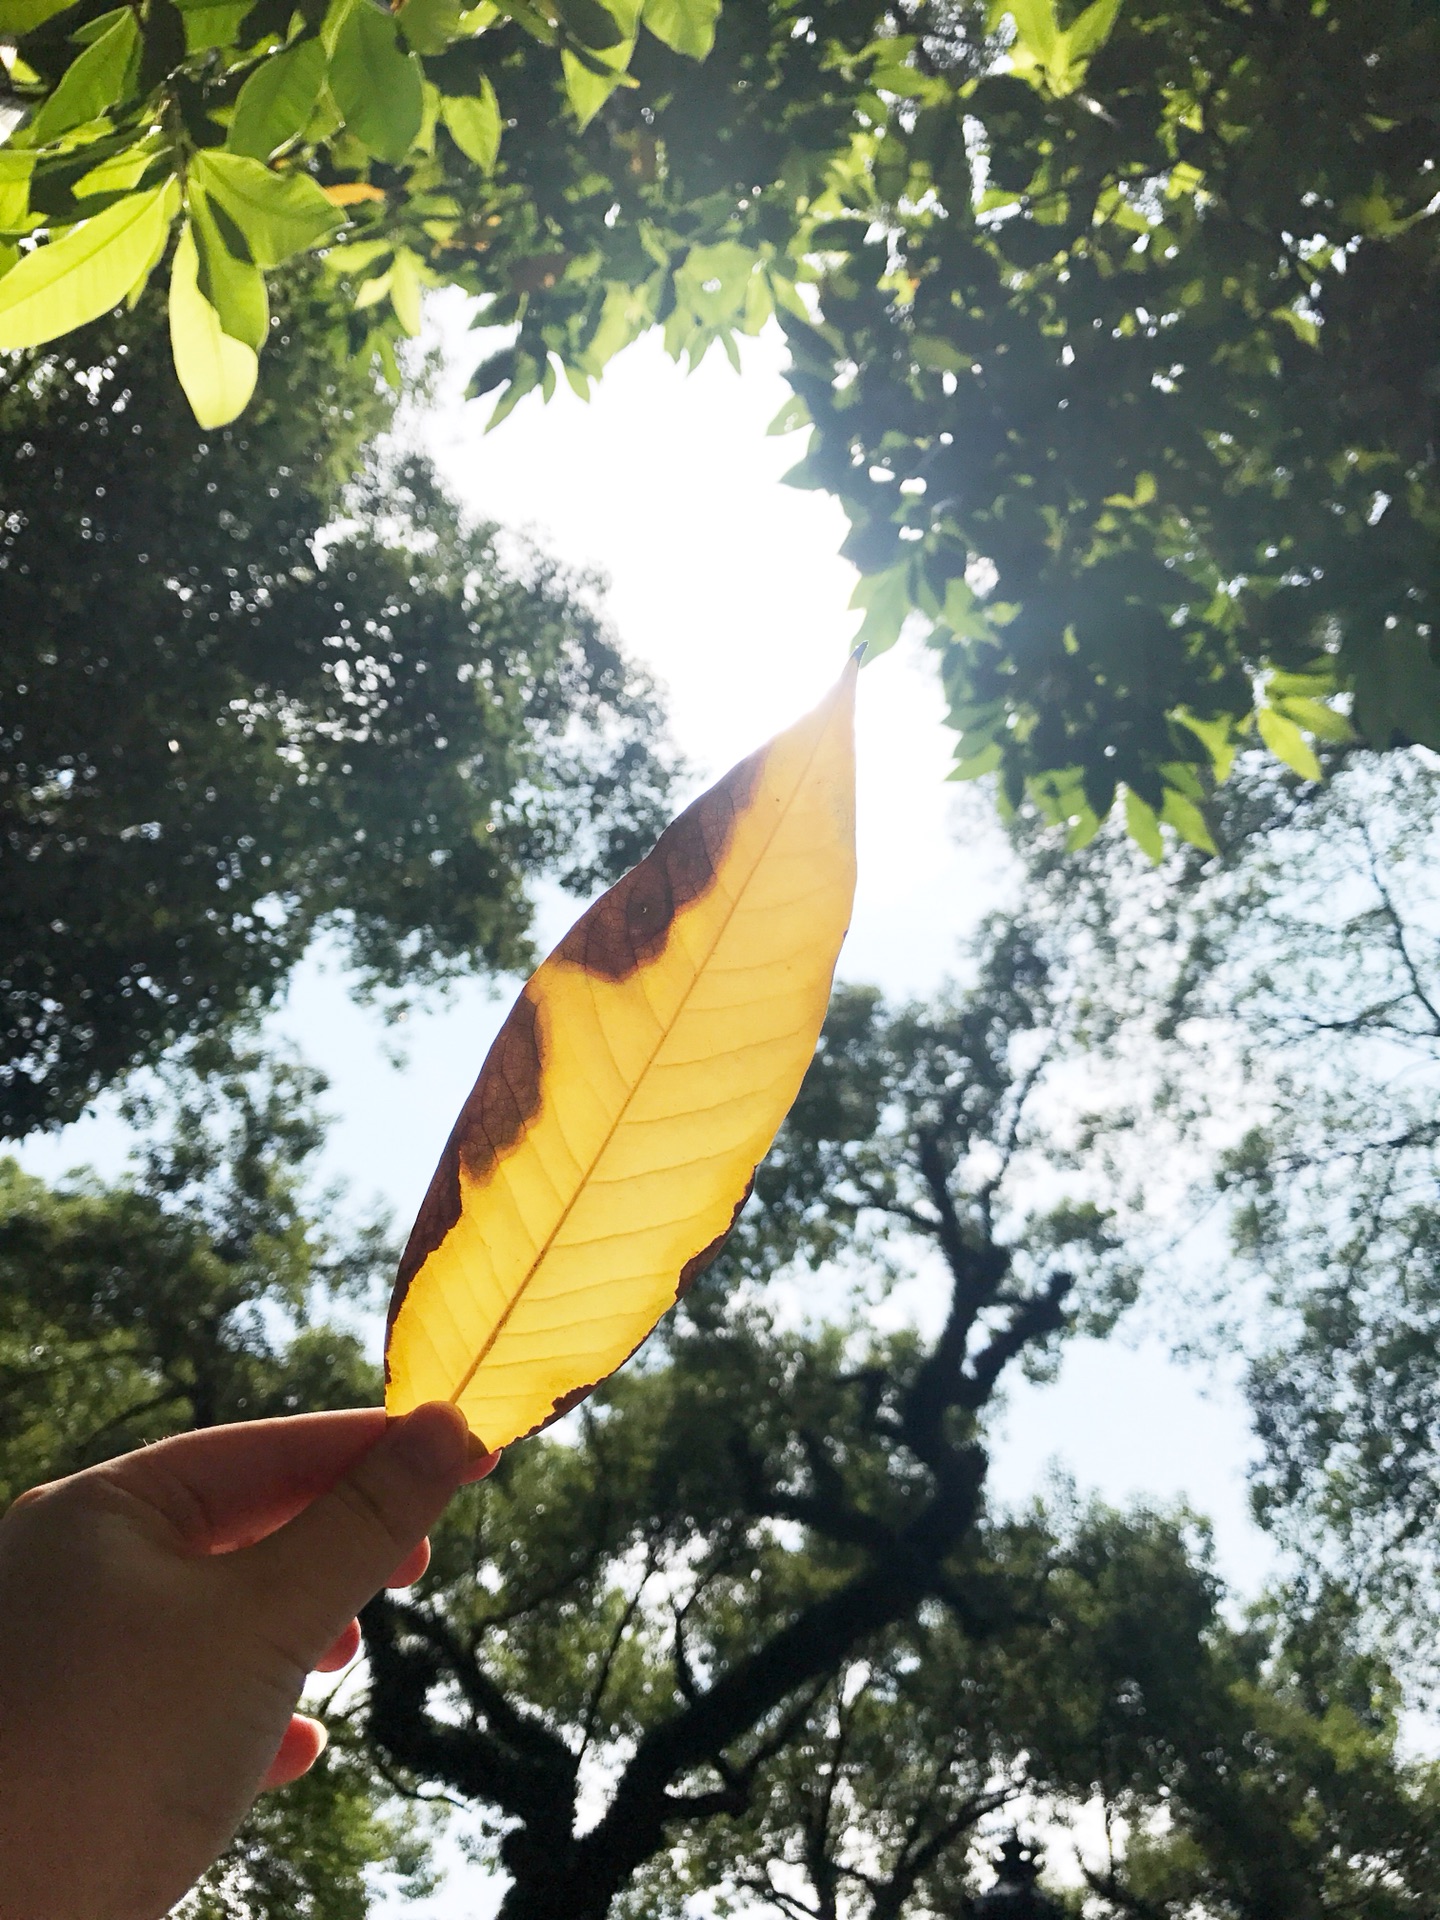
{"x":265,"y":680}
{"x":1114,"y":328}
{"x":751,"y":1624}
{"x":1276,"y":1014}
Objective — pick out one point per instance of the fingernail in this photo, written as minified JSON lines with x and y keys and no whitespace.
{"x":481,"y":1461}
{"x":433,"y":1441}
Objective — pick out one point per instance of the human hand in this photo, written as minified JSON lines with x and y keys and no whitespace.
{"x":158,"y":1616}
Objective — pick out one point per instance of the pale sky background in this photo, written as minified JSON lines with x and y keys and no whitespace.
{"x":729,"y":586}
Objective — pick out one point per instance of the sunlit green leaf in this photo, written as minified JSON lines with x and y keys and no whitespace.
{"x":474,"y":124}
{"x":589,"y":82}
{"x":19,"y":17}
{"x":886,"y":600}
{"x":377,"y":87}
{"x":280,"y":214}
{"x":233,"y":286}
{"x":793,"y":415}
{"x":686,"y":25}
{"x":405,"y":285}
{"x":208,"y":25}
{"x":1218,"y":738}
{"x":1144,"y":826}
{"x":217,"y":372}
{"x":1187,"y":820}
{"x":85,"y":272}
{"x":1036,"y":28}
{"x":94,"y":80}
{"x":975,"y":761}
{"x":16,"y":166}
{"x":1287,"y":743}
{"x":1091,"y":29}
{"x":119,"y":173}
{"x":277,"y":100}
{"x":429,"y":25}
{"x":1315,"y":717}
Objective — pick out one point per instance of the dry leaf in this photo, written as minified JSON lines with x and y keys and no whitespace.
{"x":349,"y":193}
{"x":611,"y":1139}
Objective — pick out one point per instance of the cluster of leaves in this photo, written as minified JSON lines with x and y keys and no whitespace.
{"x":1128,"y":393}
{"x":1278,"y":1014}
{"x":1123,"y":370}
{"x":256,"y":127}
{"x":1114,"y":326}
{"x":244,"y":699}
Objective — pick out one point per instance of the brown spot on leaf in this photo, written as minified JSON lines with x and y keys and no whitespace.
{"x":501,"y":1104}
{"x":629,"y":925}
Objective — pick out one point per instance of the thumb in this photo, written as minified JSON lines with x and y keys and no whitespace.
{"x":305,"y":1582}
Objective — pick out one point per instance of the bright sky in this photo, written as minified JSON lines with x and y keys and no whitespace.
{"x":729,"y":586}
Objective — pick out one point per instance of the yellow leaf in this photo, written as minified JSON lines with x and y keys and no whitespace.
{"x":349,"y":193}
{"x":610,"y":1141}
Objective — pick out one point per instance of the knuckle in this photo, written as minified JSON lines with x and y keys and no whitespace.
{"x":368,"y":1512}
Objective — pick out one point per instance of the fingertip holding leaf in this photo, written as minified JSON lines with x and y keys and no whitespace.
{"x":613,"y":1134}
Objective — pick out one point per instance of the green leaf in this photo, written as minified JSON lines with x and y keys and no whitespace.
{"x":429,"y":25}
{"x":280,"y":214}
{"x":1091,"y":30}
{"x":966,"y":615}
{"x":590,"y":24}
{"x":19,"y":17}
{"x":1315,"y":717}
{"x":938,"y":356}
{"x":1054,"y":56}
{"x":1036,"y":29}
{"x":1187,"y":820}
{"x":216,"y":372}
{"x":688,"y":26}
{"x":1216,"y":736}
{"x":1287,"y":743}
{"x":1144,"y":826}
{"x":886,"y":599}
{"x":277,"y":100}
{"x":119,"y":172}
{"x":84,"y":273}
{"x":1083,"y":829}
{"x":232,"y":285}
{"x":16,"y":167}
{"x":212,"y":26}
{"x":589,"y":82}
{"x":377,"y":88}
{"x":972,"y":762}
{"x":474,"y":124}
{"x":405,"y":285}
{"x":713,"y":283}
{"x":93,"y":81}
{"x":791,"y":417}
